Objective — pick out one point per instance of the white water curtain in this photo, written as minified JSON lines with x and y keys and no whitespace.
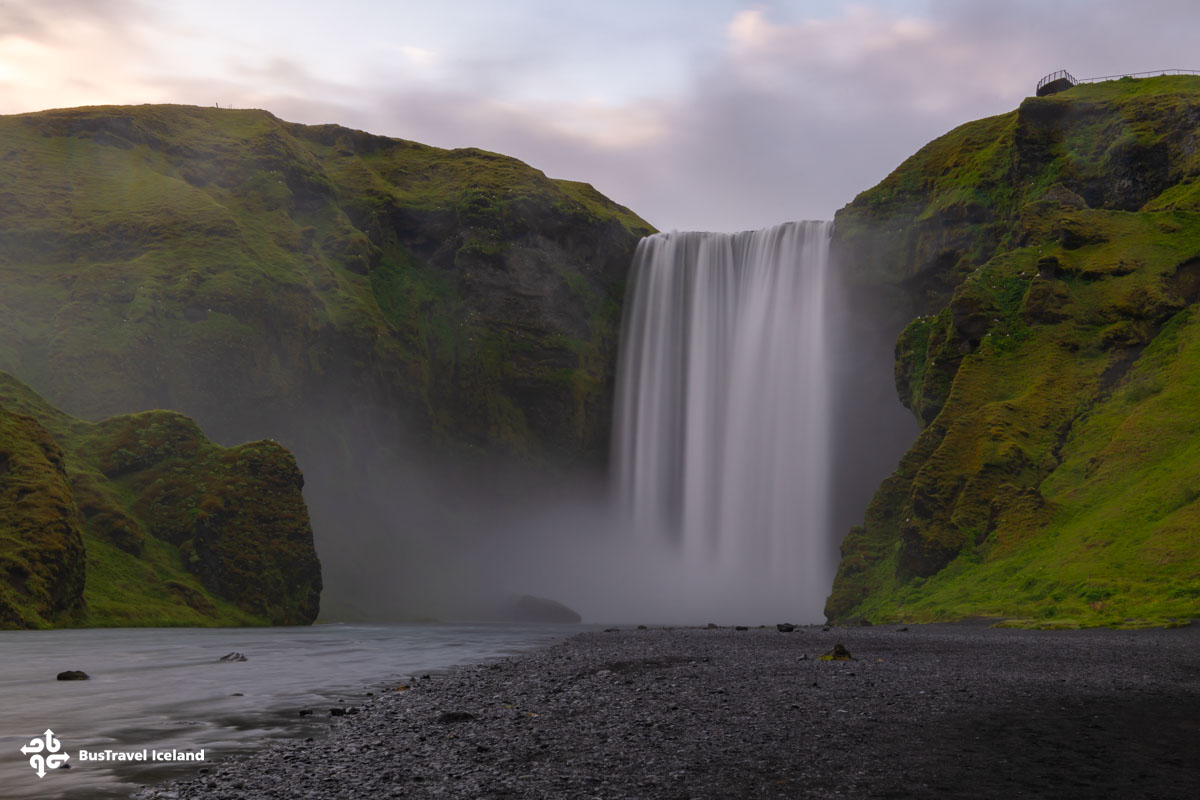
{"x":722,"y":429}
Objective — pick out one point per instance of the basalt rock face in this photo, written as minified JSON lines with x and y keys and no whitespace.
{"x":1046,"y":263}
{"x":141,"y":520}
{"x":233,"y":266}
{"x":366,"y":301}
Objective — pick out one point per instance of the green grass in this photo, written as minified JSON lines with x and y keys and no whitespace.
{"x":1052,"y":481}
{"x":140,"y":520}
{"x":187,"y":248}
{"x":307,"y":283}
{"x":150,"y":591}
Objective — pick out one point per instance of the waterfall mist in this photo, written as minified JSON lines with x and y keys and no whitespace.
{"x":755,"y":416}
{"x":722,"y":433}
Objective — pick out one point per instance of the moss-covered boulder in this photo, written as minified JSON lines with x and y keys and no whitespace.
{"x":141,"y":520}
{"x":1048,"y":261}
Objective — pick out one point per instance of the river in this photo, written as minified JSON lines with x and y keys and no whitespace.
{"x":165,"y":689}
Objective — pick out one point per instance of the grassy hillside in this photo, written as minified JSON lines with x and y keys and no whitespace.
{"x":366,"y":301}
{"x":1052,"y":259}
{"x":140,"y":520}
{"x":229,"y":265}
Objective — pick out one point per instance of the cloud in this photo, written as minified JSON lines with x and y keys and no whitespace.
{"x":419,"y":55}
{"x":42,"y":20}
{"x":797,"y":116}
{"x":74,"y":52}
{"x":788,"y":119}
{"x":766,"y":113}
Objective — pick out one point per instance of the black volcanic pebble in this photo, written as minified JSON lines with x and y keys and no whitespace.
{"x":958,"y":711}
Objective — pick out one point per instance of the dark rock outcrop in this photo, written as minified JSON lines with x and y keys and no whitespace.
{"x":539,"y":609}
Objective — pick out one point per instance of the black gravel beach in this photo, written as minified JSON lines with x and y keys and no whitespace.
{"x":961,"y":711}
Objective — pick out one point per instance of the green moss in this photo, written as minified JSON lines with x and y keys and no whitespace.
{"x":41,"y":552}
{"x":1050,"y":482}
{"x":224,"y":263}
{"x":140,"y":520}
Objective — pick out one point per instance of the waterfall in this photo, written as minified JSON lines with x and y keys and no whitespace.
{"x":722,"y":430}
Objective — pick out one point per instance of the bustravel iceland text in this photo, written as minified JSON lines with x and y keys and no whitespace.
{"x":141,"y":755}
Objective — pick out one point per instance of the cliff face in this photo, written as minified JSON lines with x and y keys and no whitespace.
{"x":235,"y":267}
{"x":141,"y":520}
{"x":1051,"y":259}
{"x":374,"y":304}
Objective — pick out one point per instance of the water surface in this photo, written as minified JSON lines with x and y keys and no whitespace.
{"x":165,"y":688}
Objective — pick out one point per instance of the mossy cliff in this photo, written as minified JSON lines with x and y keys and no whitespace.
{"x":365,"y":301}
{"x":141,"y":520}
{"x":1051,"y":259}
{"x":234,"y":267}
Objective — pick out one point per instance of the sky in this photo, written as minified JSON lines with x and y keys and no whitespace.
{"x":696,"y":114}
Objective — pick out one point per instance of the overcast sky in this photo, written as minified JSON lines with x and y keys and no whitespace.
{"x":697,"y":114}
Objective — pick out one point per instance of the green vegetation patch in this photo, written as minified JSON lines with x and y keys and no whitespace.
{"x":156,"y":253}
{"x":1054,"y":374}
{"x":315,"y":284}
{"x":140,"y":520}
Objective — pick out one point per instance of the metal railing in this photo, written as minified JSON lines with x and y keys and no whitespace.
{"x":1072,"y":80}
{"x":1152,"y":74}
{"x":1054,"y":76}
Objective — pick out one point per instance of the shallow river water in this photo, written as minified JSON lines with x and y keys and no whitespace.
{"x":165,"y":689}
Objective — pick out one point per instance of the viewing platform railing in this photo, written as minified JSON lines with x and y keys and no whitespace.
{"x":1061,"y":75}
{"x":1062,"y":80}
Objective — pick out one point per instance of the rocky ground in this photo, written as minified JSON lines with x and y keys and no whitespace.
{"x":922,"y":711}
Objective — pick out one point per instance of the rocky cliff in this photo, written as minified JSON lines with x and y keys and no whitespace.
{"x":366,"y":301}
{"x":141,"y":520}
{"x":233,"y":266}
{"x":1047,"y":263}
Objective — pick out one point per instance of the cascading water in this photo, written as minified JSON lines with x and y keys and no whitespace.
{"x":722,"y":429}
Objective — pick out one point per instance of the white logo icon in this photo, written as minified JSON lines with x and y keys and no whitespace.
{"x":48,"y":744}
